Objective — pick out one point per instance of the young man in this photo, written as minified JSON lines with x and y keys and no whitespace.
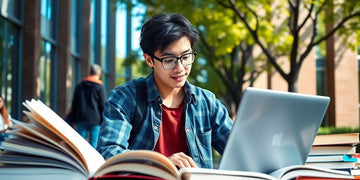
{"x":181,"y":121}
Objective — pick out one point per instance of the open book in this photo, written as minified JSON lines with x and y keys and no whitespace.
{"x":48,"y":148}
{"x":287,"y":173}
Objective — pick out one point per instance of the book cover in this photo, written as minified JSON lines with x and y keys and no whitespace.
{"x":332,"y":158}
{"x":351,"y":139}
{"x":332,"y":149}
{"x":334,"y":165}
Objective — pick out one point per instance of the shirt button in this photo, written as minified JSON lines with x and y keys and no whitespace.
{"x":156,"y":128}
{"x":188,"y":130}
{"x":159,"y":113}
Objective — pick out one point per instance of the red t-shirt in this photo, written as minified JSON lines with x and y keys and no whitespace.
{"x":172,"y":137}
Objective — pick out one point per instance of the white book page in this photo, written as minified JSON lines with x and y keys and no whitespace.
{"x":38,"y":150}
{"x":21,"y":159}
{"x":43,"y":136}
{"x":296,"y":170}
{"x":44,"y":115}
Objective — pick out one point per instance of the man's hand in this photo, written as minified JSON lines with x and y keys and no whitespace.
{"x":181,"y":160}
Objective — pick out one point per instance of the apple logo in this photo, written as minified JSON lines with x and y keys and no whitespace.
{"x":277,"y":139}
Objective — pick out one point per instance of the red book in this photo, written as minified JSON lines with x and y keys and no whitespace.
{"x":316,"y":178}
{"x":127,"y":176}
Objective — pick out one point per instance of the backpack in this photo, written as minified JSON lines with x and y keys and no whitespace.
{"x":140,"y":111}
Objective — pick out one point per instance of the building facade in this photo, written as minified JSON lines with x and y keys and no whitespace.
{"x":48,"y":47}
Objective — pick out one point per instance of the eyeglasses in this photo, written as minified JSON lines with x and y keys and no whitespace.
{"x":170,"y":62}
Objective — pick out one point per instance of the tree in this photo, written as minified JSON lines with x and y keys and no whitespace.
{"x":300,"y":15}
{"x":229,"y":31}
{"x":225,"y":59}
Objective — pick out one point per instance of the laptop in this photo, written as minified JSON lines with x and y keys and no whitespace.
{"x":272,"y":130}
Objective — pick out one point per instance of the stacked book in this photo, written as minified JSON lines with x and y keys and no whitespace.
{"x":335,"y":151}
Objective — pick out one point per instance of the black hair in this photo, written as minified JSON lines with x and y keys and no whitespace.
{"x":163,"y":29}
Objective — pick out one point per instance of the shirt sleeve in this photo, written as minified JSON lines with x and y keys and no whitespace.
{"x":222,"y":124}
{"x":115,"y":128}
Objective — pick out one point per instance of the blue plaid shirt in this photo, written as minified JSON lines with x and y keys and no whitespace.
{"x":207,"y":122}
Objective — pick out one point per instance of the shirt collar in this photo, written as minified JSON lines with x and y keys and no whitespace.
{"x":93,"y":78}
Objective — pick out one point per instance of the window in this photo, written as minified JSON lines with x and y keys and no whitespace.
{"x":48,"y":80}
{"x":358,"y":60}
{"x":320,"y":69}
{"x":75,"y":45}
{"x":320,"y":76}
{"x":104,"y":35}
{"x":48,"y":19}
{"x":45,"y":72}
{"x":75,"y":27}
{"x":9,"y":65}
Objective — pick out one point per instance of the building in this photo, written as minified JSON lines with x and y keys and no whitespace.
{"x":49,"y":45}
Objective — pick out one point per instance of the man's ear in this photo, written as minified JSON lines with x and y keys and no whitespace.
{"x":149,"y":60}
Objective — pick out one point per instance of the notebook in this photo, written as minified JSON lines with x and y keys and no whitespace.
{"x":272,"y":130}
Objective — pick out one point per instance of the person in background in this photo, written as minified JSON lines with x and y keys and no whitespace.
{"x":5,"y":119}
{"x":181,"y":121}
{"x":88,"y":104}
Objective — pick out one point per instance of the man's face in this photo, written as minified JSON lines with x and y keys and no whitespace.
{"x":167,"y":79}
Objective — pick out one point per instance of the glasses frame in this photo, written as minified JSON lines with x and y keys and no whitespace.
{"x":177,"y":59}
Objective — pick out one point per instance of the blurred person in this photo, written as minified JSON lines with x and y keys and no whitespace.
{"x":87,"y":105}
{"x":5,"y":119}
{"x":181,"y":121}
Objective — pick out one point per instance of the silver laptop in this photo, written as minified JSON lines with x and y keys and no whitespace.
{"x":272,"y":130}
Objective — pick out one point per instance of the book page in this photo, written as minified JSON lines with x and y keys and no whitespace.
{"x":48,"y":118}
{"x":151,"y":158}
{"x":320,"y":150}
{"x":35,"y":149}
{"x":215,"y":174}
{"x":294,"y":171}
{"x":337,"y":139}
{"x":18,"y":160}
{"x":35,"y":173}
{"x":26,"y":135}
{"x":144,"y":169}
{"x":43,"y":136}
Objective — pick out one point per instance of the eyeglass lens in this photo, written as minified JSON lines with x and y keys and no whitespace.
{"x":186,"y":60}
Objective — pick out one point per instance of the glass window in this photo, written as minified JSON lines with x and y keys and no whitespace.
{"x":3,"y":61}
{"x":47,"y":69}
{"x":320,"y":76}
{"x":320,"y":69}
{"x":75,"y":75}
{"x":93,"y":22}
{"x":45,"y":72}
{"x":358,"y":60}
{"x":104,"y":31}
{"x":75,"y":27}
{"x":48,"y":19}
{"x":104,"y":35}
{"x":11,"y":9}
{"x":75,"y":46}
{"x":8,"y":61}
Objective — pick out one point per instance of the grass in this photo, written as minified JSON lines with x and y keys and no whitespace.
{"x":337,"y":130}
